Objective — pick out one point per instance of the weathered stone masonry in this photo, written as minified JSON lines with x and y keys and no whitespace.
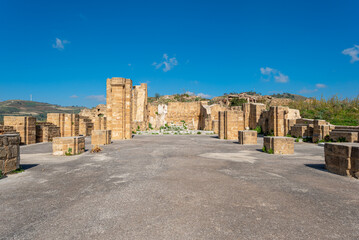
{"x":25,"y":126}
{"x":119,"y":107}
{"x":9,"y":152}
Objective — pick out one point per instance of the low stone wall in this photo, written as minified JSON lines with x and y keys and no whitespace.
{"x":247,"y":137}
{"x":342,"y":158}
{"x":100,"y":137}
{"x":68,"y":145}
{"x":344,"y":136}
{"x":9,"y":152}
{"x":279,"y":145}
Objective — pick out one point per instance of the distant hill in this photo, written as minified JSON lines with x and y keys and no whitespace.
{"x":35,"y":109}
{"x":289,"y":95}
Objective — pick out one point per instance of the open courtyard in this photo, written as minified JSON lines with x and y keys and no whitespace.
{"x":177,"y":187}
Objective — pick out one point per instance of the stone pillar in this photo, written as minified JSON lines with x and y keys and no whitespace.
{"x":139,"y":107}
{"x":100,"y":137}
{"x":221,"y":125}
{"x":119,"y":107}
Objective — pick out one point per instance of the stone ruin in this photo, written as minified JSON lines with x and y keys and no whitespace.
{"x":25,"y":126}
{"x":119,"y":107}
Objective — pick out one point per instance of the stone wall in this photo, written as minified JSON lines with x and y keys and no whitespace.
{"x":139,"y":107}
{"x":184,"y":111}
{"x":99,"y":123}
{"x":68,"y":145}
{"x":9,"y":152}
{"x":45,"y":132}
{"x":69,"y":124}
{"x":342,"y":158}
{"x":119,"y":107}
{"x":25,"y":126}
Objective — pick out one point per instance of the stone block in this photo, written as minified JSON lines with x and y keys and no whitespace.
{"x":247,"y":137}
{"x":68,"y":145}
{"x":346,"y":136}
{"x":342,"y":158}
{"x":279,"y":145}
{"x":9,"y":152}
{"x":100,"y":137}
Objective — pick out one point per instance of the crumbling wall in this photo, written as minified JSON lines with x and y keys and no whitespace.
{"x":69,"y":124}
{"x":209,"y":116}
{"x":278,"y":120}
{"x":119,"y":107}
{"x":25,"y":126}
{"x":45,"y":132}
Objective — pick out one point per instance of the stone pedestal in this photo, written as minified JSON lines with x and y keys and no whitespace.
{"x":342,"y":158}
{"x":9,"y":152}
{"x":68,"y":145}
{"x":247,"y":137}
{"x":279,"y":145}
{"x":100,"y":137}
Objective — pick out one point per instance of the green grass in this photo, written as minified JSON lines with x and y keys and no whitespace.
{"x":334,"y":110}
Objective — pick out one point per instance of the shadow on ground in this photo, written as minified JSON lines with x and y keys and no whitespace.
{"x":320,"y":167}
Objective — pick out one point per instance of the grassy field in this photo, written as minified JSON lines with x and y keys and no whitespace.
{"x":334,"y":110}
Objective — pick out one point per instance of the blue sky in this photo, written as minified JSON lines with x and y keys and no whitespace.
{"x":63,"y":51}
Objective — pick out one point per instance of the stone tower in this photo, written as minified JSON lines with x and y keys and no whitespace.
{"x":119,"y":107}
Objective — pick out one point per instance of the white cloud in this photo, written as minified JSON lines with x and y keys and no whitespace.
{"x":272,"y":73}
{"x":74,"y":96}
{"x":353,"y":53}
{"x":306,"y":91}
{"x":190,"y":93}
{"x":167,"y":63}
{"x":320,"y":85}
{"x":99,"y":98}
{"x":59,"y":44}
{"x":202,"y":95}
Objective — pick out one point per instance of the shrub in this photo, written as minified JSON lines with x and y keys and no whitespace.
{"x":342,"y":139}
{"x":198,"y":132}
{"x":150,"y":126}
{"x":69,"y":152}
{"x":258,"y":129}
